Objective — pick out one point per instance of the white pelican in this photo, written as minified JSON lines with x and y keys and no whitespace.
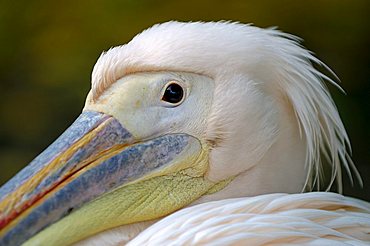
{"x":185,"y":114}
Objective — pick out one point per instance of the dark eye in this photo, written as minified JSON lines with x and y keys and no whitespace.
{"x":173,"y":93}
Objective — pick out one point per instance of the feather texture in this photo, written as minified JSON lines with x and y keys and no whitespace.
{"x":316,"y":218}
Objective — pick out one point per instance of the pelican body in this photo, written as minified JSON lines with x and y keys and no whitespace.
{"x":197,"y":115}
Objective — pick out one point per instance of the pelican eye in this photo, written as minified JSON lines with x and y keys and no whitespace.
{"x":173,"y":93}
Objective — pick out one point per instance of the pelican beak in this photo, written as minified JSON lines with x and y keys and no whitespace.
{"x":96,"y":176}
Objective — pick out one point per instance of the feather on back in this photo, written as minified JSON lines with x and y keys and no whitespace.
{"x":317,"y":218}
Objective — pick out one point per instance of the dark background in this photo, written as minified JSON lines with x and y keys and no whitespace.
{"x":48,"y":49}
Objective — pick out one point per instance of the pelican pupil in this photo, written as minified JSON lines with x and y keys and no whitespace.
{"x":173,"y":93}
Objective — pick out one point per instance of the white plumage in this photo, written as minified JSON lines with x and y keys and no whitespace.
{"x":316,"y":218}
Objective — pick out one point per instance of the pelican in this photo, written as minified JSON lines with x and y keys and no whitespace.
{"x":223,"y":122}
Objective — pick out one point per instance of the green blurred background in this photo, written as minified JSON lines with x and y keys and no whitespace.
{"x":48,"y":49}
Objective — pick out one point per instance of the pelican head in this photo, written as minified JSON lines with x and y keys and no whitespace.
{"x":184,"y":113}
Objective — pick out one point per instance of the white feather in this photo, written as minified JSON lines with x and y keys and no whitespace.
{"x":316,"y":218}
